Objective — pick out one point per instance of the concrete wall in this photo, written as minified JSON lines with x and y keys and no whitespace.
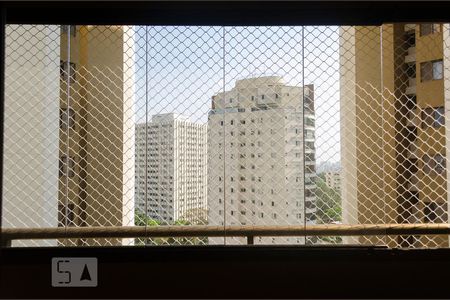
{"x":30,"y":187}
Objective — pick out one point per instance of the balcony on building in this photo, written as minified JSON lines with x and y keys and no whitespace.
{"x":412,"y":151}
{"x":309,"y":136}
{"x":410,"y":58}
{"x":309,"y":123}
{"x":309,"y":150}
{"x":410,"y":27}
{"x":310,"y":174}
{"x":309,"y":113}
{"x":411,"y":89}
{"x":310,"y":162}
{"x":270,"y":100}
{"x":310,"y":185}
{"x":413,"y":120}
{"x":413,"y":184}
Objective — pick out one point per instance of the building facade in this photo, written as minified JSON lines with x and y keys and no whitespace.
{"x":84,"y":98}
{"x":261,"y":155}
{"x":171,"y":166}
{"x":333,"y":180}
{"x":393,"y":121}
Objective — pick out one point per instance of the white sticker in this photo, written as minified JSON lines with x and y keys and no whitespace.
{"x":74,"y":272}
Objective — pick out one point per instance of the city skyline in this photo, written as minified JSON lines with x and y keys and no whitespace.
{"x":173,"y":86}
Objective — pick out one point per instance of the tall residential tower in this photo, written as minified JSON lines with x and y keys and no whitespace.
{"x":261,"y":155}
{"x":171,"y":169}
{"x":393,"y":125}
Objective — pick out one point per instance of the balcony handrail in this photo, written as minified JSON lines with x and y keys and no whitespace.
{"x":248,"y":231}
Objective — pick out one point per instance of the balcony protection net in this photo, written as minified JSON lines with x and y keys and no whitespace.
{"x":226,"y":126}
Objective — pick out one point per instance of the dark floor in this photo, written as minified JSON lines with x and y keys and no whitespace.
{"x":235,"y":272}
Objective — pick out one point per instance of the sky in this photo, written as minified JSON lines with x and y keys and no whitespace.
{"x":178,"y":69}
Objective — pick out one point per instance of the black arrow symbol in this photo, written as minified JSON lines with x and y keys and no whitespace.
{"x":85,"y":275}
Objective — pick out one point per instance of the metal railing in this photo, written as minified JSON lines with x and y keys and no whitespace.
{"x":249,"y":232}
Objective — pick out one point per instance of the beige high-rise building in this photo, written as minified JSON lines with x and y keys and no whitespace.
{"x":333,"y":180}
{"x":171,"y":166}
{"x":261,"y":166}
{"x":393,"y":127}
{"x":71,"y":101}
{"x":97,"y":84}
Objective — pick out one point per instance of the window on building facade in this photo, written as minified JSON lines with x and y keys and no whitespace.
{"x":431,"y":70}
{"x":439,"y":116}
{"x":440,"y":163}
{"x":434,"y":165}
{"x":429,"y":28}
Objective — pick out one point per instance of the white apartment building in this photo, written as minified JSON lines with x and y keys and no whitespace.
{"x":261,"y":158}
{"x":171,"y":180}
{"x":333,"y":180}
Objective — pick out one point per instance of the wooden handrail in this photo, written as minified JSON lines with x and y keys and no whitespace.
{"x":9,"y":234}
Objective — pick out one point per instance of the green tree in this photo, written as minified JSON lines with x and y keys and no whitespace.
{"x":140,"y":219}
{"x":329,"y":206}
{"x":186,"y":240}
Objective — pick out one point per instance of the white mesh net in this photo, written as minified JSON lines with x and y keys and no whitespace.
{"x":226,"y":126}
